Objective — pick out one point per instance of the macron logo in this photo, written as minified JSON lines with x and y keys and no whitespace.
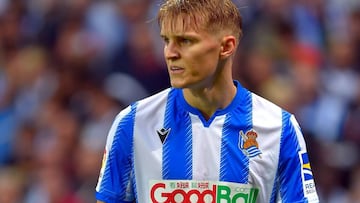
{"x":163,"y":133}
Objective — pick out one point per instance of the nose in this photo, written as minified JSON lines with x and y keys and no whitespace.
{"x":171,"y":51}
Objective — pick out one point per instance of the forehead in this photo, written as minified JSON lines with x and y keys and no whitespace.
{"x":181,"y":24}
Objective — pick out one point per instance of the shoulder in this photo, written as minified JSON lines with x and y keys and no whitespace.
{"x":156,"y":98}
{"x":256,"y":103}
{"x":141,"y":110}
{"x":147,"y":103}
{"x":153,"y":102}
{"x":264,"y":104}
{"x":266,"y":112}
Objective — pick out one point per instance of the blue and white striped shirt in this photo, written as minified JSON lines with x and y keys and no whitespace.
{"x":161,"y":149}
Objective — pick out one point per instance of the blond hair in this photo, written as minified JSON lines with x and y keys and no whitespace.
{"x":211,"y":15}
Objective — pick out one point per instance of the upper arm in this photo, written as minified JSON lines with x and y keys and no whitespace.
{"x":115,"y":174}
{"x":296,"y":180}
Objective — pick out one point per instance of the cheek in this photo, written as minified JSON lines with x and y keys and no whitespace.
{"x":206,"y":60}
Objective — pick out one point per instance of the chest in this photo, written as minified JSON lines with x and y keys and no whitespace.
{"x":221,"y":151}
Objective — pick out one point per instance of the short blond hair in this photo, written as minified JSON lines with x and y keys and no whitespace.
{"x":211,"y":15}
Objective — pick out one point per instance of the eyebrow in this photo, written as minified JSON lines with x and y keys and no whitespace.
{"x":187,"y":35}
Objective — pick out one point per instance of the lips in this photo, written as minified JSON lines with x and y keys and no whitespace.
{"x":176,"y":69}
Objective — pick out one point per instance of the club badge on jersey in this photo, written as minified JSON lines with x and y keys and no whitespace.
{"x":248,"y":143}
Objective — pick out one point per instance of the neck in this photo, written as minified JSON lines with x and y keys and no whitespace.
{"x":211,"y":98}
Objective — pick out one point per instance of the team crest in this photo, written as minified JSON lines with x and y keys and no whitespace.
{"x":248,"y":143}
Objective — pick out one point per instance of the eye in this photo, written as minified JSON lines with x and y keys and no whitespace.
{"x":165,"y":40}
{"x":185,"y":41}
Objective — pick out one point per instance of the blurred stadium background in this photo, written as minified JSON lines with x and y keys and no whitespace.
{"x":67,"y":67}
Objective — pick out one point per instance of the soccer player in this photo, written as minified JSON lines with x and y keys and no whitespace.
{"x":207,"y":138}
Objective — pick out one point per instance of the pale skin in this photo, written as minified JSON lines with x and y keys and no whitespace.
{"x":200,"y":63}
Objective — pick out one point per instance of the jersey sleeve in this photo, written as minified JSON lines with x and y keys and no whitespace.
{"x":296,"y":183}
{"x":115,"y":183}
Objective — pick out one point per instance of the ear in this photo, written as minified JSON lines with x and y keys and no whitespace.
{"x":228,"y":46}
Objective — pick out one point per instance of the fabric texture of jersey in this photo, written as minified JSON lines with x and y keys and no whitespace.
{"x":252,"y":141}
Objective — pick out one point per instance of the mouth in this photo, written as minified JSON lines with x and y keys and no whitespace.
{"x":176,"y":69}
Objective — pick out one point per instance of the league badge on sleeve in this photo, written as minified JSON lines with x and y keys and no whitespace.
{"x":307,"y":177}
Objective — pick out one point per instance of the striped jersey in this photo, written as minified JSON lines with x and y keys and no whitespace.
{"x":161,"y":149}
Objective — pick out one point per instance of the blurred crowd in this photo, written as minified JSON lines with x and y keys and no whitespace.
{"x":67,"y":67}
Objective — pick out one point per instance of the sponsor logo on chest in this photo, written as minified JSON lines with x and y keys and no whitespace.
{"x":189,"y":191}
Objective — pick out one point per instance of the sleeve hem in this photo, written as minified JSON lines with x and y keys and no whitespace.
{"x":108,"y":199}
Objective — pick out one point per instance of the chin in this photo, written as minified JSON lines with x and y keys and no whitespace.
{"x":191,"y":84}
{"x":178,"y":84}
